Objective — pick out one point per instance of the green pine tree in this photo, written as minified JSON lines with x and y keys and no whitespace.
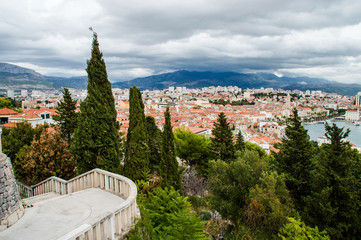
{"x":136,"y":165}
{"x":96,"y":142}
{"x":67,"y":118}
{"x":169,"y":167}
{"x":294,"y":159}
{"x":222,"y":140}
{"x":240,"y":144}
{"x":154,"y":143}
{"x":335,"y":201}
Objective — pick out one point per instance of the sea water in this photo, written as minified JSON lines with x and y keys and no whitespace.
{"x":318,"y":130}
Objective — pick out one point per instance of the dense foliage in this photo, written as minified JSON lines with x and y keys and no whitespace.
{"x":297,"y":230}
{"x":96,"y":142}
{"x":136,"y":163}
{"x":248,"y":193}
{"x":154,"y":144}
{"x":45,"y":157}
{"x":166,"y":214}
{"x":5,"y":103}
{"x":222,"y":140}
{"x":294,"y":159}
{"x":335,"y":201}
{"x":11,"y":104}
{"x":240,"y":144}
{"x":193,"y":149}
{"x":67,"y":118}
{"x":13,"y":139}
{"x":324,"y":181}
{"x":18,"y":139}
{"x":169,"y":173}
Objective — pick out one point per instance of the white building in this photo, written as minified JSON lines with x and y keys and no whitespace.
{"x":352,"y":115}
{"x":35,"y":116}
{"x":24,"y":92}
{"x":358,"y":98}
{"x":10,"y":93}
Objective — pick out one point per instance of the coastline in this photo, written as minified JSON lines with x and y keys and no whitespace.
{"x":316,"y":130}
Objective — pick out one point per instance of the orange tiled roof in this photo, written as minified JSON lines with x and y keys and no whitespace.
{"x":34,"y":113}
{"x":9,"y":125}
{"x":7,"y":111}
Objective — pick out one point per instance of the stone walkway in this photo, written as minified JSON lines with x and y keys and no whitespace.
{"x":54,"y":218}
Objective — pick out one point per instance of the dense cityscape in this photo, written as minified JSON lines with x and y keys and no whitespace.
{"x":259,"y":113}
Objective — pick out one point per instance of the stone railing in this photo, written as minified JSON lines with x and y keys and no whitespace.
{"x":24,"y":190}
{"x":111,"y":226}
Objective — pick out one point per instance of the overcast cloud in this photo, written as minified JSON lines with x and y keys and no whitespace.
{"x":143,"y":37}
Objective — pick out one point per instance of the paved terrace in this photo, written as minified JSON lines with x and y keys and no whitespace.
{"x":56,"y":217}
{"x":92,"y":213}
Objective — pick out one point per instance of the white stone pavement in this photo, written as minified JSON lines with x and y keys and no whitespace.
{"x":54,"y":218}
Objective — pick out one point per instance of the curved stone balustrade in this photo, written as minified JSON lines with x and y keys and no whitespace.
{"x":111,"y":226}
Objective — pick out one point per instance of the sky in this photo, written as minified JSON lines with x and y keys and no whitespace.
{"x":143,"y":37}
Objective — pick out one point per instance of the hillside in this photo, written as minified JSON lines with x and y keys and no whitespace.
{"x":72,"y":82}
{"x":12,"y":76}
{"x":243,"y":80}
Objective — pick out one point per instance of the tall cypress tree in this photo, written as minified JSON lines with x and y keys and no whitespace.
{"x":222,"y":142}
{"x":169,"y":168}
{"x":136,"y":165}
{"x":67,"y":118}
{"x":154,"y":143}
{"x":96,"y":142}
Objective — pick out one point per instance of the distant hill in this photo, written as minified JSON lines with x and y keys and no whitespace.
{"x":12,"y":76}
{"x":72,"y":82}
{"x":243,"y":80}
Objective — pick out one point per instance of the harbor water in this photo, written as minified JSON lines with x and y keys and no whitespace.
{"x":318,"y":130}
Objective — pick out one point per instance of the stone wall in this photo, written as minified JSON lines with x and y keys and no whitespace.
{"x":11,"y":208}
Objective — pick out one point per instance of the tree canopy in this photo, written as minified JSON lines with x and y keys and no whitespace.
{"x":247,"y":193}
{"x":222,"y":140}
{"x":335,"y":202}
{"x":294,"y":159}
{"x":240,"y":144}
{"x":193,"y":149}
{"x":297,"y":230}
{"x":45,"y":157}
{"x":136,"y":164}
{"x":166,"y":214}
{"x":17,"y":140}
{"x":67,"y":118}
{"x":169,"y":173}
{"x":96,"y":142}
{"x":154,"y":144}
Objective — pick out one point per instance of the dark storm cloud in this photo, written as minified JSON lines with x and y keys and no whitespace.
{"x":139,"y":38}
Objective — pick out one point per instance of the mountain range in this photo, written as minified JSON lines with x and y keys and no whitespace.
{"x":12,"y":76}
{"x":243,"y":80}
